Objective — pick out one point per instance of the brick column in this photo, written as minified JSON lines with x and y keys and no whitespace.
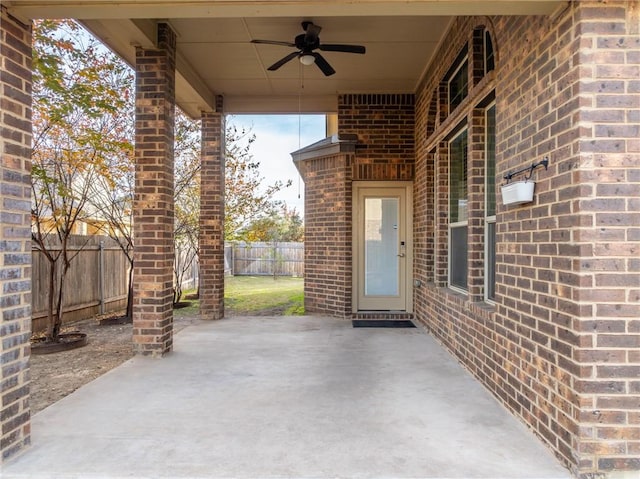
{"x":606,"y":236}
{"x":153,"y":202}
{"x":212,"y":214}
{"x":15,"y":232}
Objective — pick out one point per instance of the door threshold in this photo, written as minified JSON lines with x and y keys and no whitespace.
{"x":390,"y":315}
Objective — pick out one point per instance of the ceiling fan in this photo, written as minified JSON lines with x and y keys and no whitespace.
{"x":306,"y":43}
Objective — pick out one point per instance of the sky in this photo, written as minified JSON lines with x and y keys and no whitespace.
{"x":276,"y":138}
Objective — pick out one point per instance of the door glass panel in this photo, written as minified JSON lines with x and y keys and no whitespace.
{"x":381,"y":217}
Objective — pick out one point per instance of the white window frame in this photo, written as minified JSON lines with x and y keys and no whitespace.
{"x":463,"y":61}
{"x":485,"y":57}
{"x":488,"y":219}
{"x":456,"y":224}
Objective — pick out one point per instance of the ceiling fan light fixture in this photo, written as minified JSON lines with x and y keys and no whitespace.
{"x":307,"y":59}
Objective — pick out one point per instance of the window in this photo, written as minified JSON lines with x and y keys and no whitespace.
{"x":490,"y":205}
{"x":458,"y":244}
{"x":457,"y":79}
{"x":489,"y":60}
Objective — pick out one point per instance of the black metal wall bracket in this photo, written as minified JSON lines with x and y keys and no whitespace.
{"x":544,"y":162}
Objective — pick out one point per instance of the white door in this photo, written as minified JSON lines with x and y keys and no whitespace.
{"x":382,"y":247}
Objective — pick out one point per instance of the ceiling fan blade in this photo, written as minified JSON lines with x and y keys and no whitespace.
{"x":323,"y":64}
{"x":334,"y":47}
{"x":312,"y":32}
{"x":282,"y":61}
{"x":273,"y":42}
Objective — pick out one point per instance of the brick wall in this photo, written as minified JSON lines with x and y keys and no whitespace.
{"x":212,"y":214}
{"x":535,"y":281}
{"x":559,"y":347}
{"x":15,"y":235}
{"x":384,"y":126}
{"x":153,"y":201}
{"x":327,"y":204}
{"x":384,"y":151}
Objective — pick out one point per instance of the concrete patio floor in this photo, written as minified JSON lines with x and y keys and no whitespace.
{"x":303,"y":397}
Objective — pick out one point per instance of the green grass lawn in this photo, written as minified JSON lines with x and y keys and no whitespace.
{"x":262,"y":295}
{"x":254,"y":296}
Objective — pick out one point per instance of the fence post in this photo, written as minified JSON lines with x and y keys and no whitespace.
{"x":101,"y":275}
{"x":233,"y":259}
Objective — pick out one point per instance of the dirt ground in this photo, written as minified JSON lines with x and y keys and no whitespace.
{"x":54,"y":376}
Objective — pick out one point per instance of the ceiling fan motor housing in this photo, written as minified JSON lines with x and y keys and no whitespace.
{"x":306,"y":46}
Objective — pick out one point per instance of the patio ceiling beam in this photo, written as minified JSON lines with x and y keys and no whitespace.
{"x":122,"y":36}
{"x":93,"y":9}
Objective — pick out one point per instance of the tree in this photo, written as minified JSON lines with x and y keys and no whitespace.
{"x":279,"y":227}
{"x":246,"y":197}
{"x":186,"y":199}
{"x":111,"y":197}
{"x":284,"y":225}
{"x":83,"y":166}
{"x":111,"y":200}
{"x":78,"y":132}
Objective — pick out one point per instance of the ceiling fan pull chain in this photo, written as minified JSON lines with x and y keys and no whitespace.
{"x":301,"y":70}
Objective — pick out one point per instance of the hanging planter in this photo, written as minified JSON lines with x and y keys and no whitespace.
{"x":518,"y":192}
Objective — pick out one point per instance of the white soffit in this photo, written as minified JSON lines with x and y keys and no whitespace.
{"x":215,"y":54}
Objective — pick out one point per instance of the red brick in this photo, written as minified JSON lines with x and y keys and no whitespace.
{"x":153,"y":201}
{"x":212,"y":214}
{"x":15,"y":263}
{"x":558,"y":230}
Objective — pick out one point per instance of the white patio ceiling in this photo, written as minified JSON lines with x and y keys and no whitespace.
{"x":215,"y":55}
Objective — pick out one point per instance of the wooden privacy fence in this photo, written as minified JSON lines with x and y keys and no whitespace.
{"x":254,"y":259}
{"x":97,"y":279}
{"x":262,"y":259}
{"x":96,"y":282}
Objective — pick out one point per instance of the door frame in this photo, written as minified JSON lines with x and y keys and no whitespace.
{"x":356,"y":237}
